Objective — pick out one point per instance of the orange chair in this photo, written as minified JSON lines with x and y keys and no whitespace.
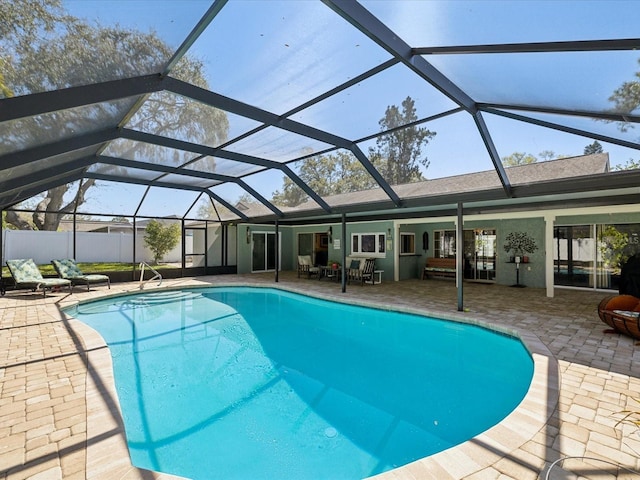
{"x":622,"y":313}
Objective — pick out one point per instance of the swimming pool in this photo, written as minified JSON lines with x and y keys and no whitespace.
{"x":260,"y":383}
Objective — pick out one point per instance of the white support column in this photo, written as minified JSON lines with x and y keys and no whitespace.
{"x":549,"y":222}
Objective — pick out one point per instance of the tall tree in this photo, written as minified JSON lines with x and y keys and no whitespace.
{"x":592,"y":148}
{"x":339,"y":172}
{"x":22,"y":22}
{"x":518,"y":158}
{"x":398,"y":154}
{"x":626,"y":99}
{"x":69,"y":52}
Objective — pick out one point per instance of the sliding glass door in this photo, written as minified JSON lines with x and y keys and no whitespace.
{"x":479,"y":252}
{"x":592,"y":255}
{"x":263,"y":251}
{"x":484,"y":255}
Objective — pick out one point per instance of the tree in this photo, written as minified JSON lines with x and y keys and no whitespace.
{"x":398,"y":154}
{"x":626,"y":99}
{"x":518,"y":158}
{"x":630,"y":164}
{"x":612,"y":244}
{"x":22,"y":21}
{"x":54,"y":50}
{"x":338,"y":172}
{"x":161,"y":239}
{"x":547,"y":155}
{"x":592,"y":148}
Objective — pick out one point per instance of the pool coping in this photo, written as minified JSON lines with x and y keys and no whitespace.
{"x":109,"y":456}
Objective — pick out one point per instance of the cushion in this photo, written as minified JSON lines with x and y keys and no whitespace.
{"x":360,"y":260}
{"x":354,"y":264}
{"x":67,"y":268}
{"x":304,"y":259}
{"x":95,"y":278}
{"x":623,"y":302}
{"x":24,"y":270}
{"x":627,"y":313}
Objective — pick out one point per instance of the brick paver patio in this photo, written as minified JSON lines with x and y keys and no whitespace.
{"x":59,"y":415}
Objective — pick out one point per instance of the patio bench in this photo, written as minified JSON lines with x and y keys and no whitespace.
{"x":439,"y":267}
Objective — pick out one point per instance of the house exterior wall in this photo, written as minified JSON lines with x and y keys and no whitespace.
{"x":532,"y":274}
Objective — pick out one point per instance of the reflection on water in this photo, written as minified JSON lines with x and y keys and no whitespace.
{"x":257,"y":383}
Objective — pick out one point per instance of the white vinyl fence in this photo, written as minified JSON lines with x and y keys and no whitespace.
{"x":44,"y":246}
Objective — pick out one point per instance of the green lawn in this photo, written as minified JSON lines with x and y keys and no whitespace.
{"x":101,"y":267}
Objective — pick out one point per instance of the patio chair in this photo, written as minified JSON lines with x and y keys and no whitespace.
{"x":361,"y":271}
{"x":69,"y":270}
{"x":306,"y":267}
{"x":622,"y":314}
{"x":26,"y":274}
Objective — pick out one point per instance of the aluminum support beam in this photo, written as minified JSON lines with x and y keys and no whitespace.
{"x":249,"y":111}
{"x":40,"y":152}
{"x":535,"y":47}
{"x":72,"y":97}
{"x":362,"y":158}
{"x":563,"y":128}
{"x":499,"y":109}
{"x":11,"y":199}
{"x":210,"y":151}
{"x":188,"y":173}
{"x":239,"y":108}
{"x":44,"y":175}
{"x":195,"y":148}
{"x":372,"y":27}
{"x":200,"y":27}
{"x":110,"y":178}
{"x":493,"y":153}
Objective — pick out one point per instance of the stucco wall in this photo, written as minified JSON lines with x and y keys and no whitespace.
{"x":531,"y":274}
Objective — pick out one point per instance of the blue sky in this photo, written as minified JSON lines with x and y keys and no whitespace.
{"x":253,"y":52}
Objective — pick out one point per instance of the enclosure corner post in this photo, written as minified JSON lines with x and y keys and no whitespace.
{"x":344,"y":252}
{"x":277,"y":250}
{"x":460,"y":256}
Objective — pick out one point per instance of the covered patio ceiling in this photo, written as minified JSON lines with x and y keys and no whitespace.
{"x":239,"y":111}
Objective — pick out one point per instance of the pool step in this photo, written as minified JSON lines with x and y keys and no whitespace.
{"x":164,"y":297}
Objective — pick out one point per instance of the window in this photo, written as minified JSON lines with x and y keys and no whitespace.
{"x":407,"y":243}
{"x":369,"y":244}
{"x":444,"y":243}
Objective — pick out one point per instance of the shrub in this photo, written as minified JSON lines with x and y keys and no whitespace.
{"x":161,"y":239}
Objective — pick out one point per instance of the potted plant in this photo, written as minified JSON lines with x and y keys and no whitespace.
{"x":520,"y":243}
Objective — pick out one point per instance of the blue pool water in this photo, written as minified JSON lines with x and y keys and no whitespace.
{"x":256,"y":383}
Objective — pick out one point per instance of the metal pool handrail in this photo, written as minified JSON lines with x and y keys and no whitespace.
{"x":155,"y":277}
